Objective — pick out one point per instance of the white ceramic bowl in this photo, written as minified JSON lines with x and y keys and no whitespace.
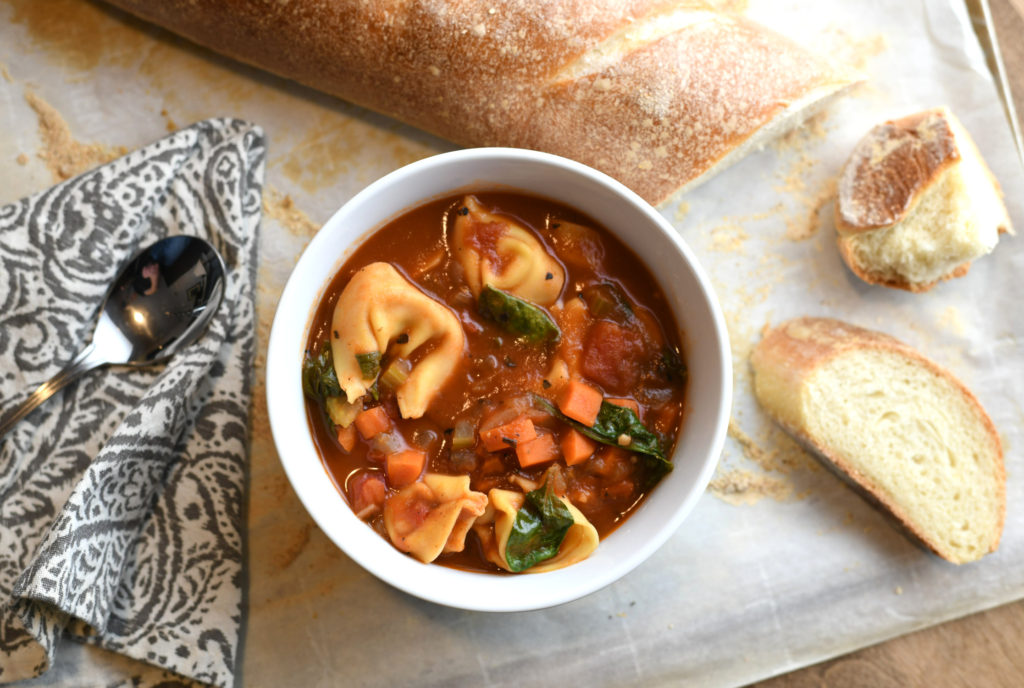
{"x":706,"y":351}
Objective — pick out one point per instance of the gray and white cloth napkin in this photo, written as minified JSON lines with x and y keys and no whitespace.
{"x":123,"y":498}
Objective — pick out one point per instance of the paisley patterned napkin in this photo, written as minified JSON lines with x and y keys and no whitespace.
{"x":122,"y":499}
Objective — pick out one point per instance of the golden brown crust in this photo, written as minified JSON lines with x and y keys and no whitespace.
{"x":792,"y":351}
{"x":846,"y":252}
{"x":891,"y":167}
{"x":885,"y":179}
{"x":654,"y":92}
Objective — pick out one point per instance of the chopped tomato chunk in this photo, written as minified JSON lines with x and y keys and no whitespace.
{"x":611,"y":463}
{"x":367,"y":491}
{"x":613,"y":355}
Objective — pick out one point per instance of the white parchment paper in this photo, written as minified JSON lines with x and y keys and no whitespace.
{"x":800,"y":571}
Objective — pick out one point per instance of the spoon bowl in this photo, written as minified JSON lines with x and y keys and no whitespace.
{"x":160,"y":302}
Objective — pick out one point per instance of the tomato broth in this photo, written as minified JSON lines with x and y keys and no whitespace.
{"x":617,"y":335}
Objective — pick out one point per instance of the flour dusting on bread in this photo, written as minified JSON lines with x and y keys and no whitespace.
{"x":660,"y":94}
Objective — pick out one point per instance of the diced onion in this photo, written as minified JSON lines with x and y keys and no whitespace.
{"x":387,"y":443}
{"x":464,"y":435}
{"x":396,"y":373}
{"x":341,"y":412}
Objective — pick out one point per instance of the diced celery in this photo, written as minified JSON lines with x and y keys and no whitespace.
{"x":396,"y":373}
{"x":341,"y":412}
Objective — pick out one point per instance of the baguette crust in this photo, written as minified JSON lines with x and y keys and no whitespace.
{"x":657,"y":93}
{"x":890,"y":168}
{"x":786,"y":360}
{"x":872,"y":277}
{"x":889,"y":174}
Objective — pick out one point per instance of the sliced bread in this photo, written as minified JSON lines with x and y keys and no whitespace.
{"x":917,"y":203}
{"x":906,"y":432}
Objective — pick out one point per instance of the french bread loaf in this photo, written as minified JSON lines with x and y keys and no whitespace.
{"x":917,"y":203}
{"x":659,"y":94}
{"x":897,"y":426}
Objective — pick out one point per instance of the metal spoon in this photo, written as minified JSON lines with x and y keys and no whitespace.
{"x":160,"y":302}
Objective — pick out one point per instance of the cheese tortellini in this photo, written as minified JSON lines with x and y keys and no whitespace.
{"x":497,"y":251}
{"x":495,"y":525}
{"x":378,"y":308}
{"x":432,"y":517}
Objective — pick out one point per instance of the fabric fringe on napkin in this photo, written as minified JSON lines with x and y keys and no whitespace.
{"x":123,"y":498}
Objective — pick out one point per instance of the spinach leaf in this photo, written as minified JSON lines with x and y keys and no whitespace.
{"x":319,"y":380}
{"x":369,"y":364}
{"x":672,"y":366}
{"x":517,"y":316}
{"x":537,"y":533}
{"x":612,"y":423}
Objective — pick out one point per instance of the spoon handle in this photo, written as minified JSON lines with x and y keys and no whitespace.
{"x":83,"y":363}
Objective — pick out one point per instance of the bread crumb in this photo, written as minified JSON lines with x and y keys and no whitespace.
{"x":785,"y":457}
{"x":22,"y":159}
{"x":810,"y":129}
{"x":283,"y":209}
{"x":953,"y":320}
{"x":728,"y":238}
{"x":898,"y":590}
{"x":64,"y":156}
{"x":6,"y":75}
{"x":739,"y":487}
{"x":682,"y":211}
{"x":805,"y":225}
{"x":855,"y":52}
{"x":171,"y":124}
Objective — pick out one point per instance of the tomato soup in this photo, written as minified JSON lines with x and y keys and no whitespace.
{"x":494,"y":382}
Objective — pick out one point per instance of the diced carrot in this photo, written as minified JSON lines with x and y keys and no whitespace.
{"x":576,"y":447}
{"x":580,"y":401}
{"x":404,"y":467}
{"x":626,"y":403}
{"x":540,"y":449}
{"x":372,"y":421}
{"x":347,"y":437}
{"x":508,"y":435}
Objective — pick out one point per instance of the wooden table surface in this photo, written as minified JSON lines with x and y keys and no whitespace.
{"x":981,"y":650}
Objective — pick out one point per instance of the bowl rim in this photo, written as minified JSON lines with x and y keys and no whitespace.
{"x":463,"y":589}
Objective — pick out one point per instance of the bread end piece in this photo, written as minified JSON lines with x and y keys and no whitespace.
{"x":896,"y":425}
{"x":917,"y":203}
